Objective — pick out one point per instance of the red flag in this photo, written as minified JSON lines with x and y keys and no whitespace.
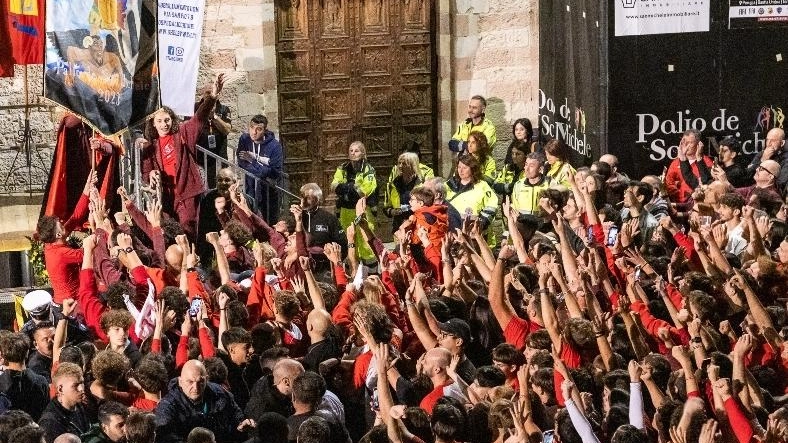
{"x":25,"y":24}
{"x":6,"y":54}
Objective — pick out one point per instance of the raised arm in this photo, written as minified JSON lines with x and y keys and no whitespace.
{"x":499,"y":303}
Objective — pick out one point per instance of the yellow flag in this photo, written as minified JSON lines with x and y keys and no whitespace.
{"x":23,"y":7}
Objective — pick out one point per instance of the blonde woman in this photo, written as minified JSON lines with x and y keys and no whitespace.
{"x":396,"y":204}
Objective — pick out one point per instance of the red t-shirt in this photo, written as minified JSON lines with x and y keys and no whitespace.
{"x":570,"y":356}
{"x":168,"y":158}
{"x":143,"y":404}
{"x":63,"y":264}
{"x":518,"y":330}
{"x":429,"y":401}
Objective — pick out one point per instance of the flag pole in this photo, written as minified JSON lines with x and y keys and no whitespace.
{"x":27,"y":136}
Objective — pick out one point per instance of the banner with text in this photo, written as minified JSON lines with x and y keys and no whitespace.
{"x":180,"y":32}
{"x":720,"y":83}
{"x":100,"y":60}
{"x":644,"y":17}
{"x":757,"y":13}
{"x":569,"y":66}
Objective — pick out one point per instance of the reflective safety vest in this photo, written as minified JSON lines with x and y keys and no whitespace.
{"x":488,"y":170}
{"x":504,"y":182}
{"x":425,"y":172}
{"x":363,"y":181}
{"x":525,"y":196}
{"x":559,"y":173}
{"x":486,"y":127}
{"x":395,"y":189}
{"x":478,"y":199}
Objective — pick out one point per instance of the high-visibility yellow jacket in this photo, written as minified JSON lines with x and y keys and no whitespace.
{"x":425,"y":172}
{"x":350,"y":185}
{"x":504,"y":181}
{"x":559,"y":173}
{"x":486,"y":127}
{"x":525,"y":195}
{"x":488,"y":170}
{"x":478,"y":199}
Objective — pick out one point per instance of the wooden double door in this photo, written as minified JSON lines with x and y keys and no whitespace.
{"x":354,"y":70}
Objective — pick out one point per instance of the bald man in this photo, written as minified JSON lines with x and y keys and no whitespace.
{"x":325,"y":345}
{"x":272,"y":393}
{"x":433,"y":364}
{"x":67,"y":438}
{"x":193,"y":401}
{"x":615,"y":176}
{"x":774,"y":149}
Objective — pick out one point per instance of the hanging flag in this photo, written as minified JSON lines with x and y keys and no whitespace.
{"x":21,"y":34}
{"x":101,"y":60}
{"x":180,"y":32}
{"x":6,"y":50}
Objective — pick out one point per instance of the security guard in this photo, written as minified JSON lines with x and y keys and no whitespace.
{"x":353,"y":180}
{"x":471,"y":195}
{"x":476,"y":121}
{"x":525,"y":192}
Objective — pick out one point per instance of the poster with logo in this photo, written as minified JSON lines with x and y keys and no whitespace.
{"x":569,"y":72}
{"x":180,"y":32}
{"x":645,"y":17}
{"x":757,"y":13}
{"x":100,"y":60}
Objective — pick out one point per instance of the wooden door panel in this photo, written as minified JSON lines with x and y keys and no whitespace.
{"x":353,"y":70}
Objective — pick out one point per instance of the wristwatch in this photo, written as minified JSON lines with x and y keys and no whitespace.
{"x":128,"y":250}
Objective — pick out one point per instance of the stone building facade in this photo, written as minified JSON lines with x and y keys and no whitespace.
{"x":482,"y":47}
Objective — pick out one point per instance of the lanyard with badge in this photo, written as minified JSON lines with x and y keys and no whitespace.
{"x":211,"y":136}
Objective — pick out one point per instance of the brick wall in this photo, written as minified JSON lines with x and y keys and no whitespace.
{"x":490,"y":48}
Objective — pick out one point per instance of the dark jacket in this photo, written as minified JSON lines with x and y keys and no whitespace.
{"x":40,"y":364}
{"x":26,"y":390}
{"x":266,"y":398}
{"x":236,"y":378}
{"x":57,"y":420}
{"x":269,"y":147}
{"x":95,"y":435}
{"x":176,"y":415}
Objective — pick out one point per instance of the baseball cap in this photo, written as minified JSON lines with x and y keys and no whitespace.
{"x":36,"y":302}
{"x":458,"y":328}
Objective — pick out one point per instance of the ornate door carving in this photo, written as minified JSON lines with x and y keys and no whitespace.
{"x":354,"y":70}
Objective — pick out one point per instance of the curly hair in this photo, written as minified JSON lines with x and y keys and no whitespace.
{"x":239,"y":234}
{"x":175,"y":299}
{"x":116,"y":317}
{"x":287,"y":304}
{"x":47,"y":225}
{"x":580,"y":331}
{"x":151,"y":374}
{"x":116,"y":293}
{"x":109,"y":367}
{"x":152,"y":134}
{"x":483,"y":145}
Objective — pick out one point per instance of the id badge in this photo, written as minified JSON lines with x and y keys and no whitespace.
{"x":212,"y":142}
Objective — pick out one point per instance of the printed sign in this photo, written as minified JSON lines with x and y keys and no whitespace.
{"x":180,"y":32}
{"x":757,"y":13}
{"x":644,"y":17}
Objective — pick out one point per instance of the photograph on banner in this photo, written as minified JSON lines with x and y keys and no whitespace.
{"x":180,"y":31}
{"x":757,"y":13}
{"x":100,"y":60}
{"x":645,"y":17}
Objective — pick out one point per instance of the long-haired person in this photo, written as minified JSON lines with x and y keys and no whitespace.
{"x":470,"y":194}
{"x":479,"y":147}
{"x":522,"y":132}
{"x":558,"y":167}
{"x":397,"y":197}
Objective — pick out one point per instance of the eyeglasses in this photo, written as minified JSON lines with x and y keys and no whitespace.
{"x":761,"y":168}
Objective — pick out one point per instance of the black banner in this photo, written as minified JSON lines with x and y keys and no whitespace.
{"x":722,"y":82}
{"x":570,"y":105}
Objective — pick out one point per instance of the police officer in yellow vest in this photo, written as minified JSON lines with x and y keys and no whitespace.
{"x":525,"y":192}
{"x":476,"y":121}
{"x":353,"y":180}
{"x":470,"y":194}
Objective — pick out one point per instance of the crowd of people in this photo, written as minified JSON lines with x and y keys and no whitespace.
{"x":607,"y":309}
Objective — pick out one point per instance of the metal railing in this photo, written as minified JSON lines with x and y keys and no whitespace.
{"x":131,"y":175}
